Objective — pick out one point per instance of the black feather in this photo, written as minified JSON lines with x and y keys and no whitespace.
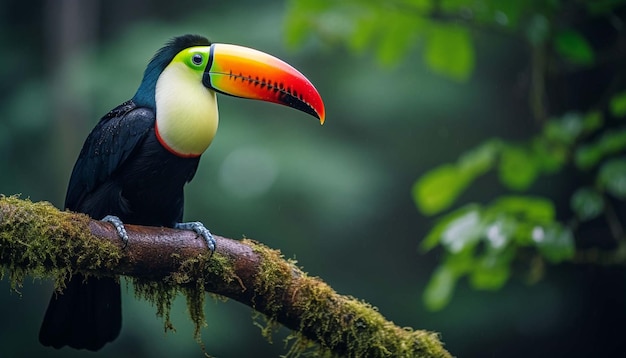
{"x":122,"y":170}
{"x":88,"y":314}
{"x":145,"y":93}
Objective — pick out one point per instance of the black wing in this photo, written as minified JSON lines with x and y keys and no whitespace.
{"x":106,"y":148}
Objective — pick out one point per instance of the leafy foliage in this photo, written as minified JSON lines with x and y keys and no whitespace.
{"x":482,"y":242}
{"x":519,"y":165}
{"x":574,"y":47}
{"x":485,"y":242}
{"x":511,"y":223}
{"x":390,"y":29}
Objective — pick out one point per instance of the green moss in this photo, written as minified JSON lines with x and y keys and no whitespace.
{"x":221,"y":266}
{"x":301,"y":346}
{"x":190,"y":280}
{"x":267,"y":325}
{"x":274,"y":269}
{"x":160,"y":294}
{"x":342,"y":325}
{"x":38,"y":240}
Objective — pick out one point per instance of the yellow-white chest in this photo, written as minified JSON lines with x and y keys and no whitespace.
{"x":186,"y":111}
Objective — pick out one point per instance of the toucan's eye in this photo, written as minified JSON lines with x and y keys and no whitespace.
{"x":196,"y":59}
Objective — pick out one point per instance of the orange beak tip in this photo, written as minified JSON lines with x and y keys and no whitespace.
{"x":248,"y":73}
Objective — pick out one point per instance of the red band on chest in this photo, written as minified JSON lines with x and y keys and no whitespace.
{"x":170,"y":149}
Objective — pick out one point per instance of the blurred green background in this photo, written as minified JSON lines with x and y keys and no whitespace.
{"x":337,"y":198}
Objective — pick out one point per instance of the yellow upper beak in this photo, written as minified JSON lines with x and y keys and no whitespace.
{"x":248,"y":73}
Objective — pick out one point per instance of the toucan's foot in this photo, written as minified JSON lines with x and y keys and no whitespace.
{"x":199,"y":228}
{"x":119,"y":226}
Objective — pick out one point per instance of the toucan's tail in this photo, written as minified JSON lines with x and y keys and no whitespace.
{"x":87,"y":315}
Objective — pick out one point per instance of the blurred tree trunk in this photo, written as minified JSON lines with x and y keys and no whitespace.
{"x":70,"y":25}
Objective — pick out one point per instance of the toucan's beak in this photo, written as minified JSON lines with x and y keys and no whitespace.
{"x":247,"y":73}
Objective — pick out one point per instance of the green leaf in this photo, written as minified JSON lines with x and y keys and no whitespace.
{"x":452,"y":5}
{"x":499,"y":232}
{"x":439,"y":289}
{"x":436,"y":190}
{"x":518,"y":169}
{"x":450,"y":52}
{"x":297,"y":31}
{"x":463,"y":232}
{"x":365,"y":29}
{"x":587,"y":203}
{"x":436,"y":233}
{"x":554,"y":242}
{"x":592,"y":121}
{"x":618,"y":105}
{"x":479,"y":160}
{"x":611,"y":142}
{"x":528,"y":208}
{"x":574,"y":47}
{"x":612,"y":177}
{"x":492,"y":270}
{"x":508,"y":13}
{"x":550,"y":157}
{"x":565,"y":129}
{"x":587,"y":156}
{"x":521,"y":214}
{"x":298,"y":21}
{"x":420,"y":5}
{"x":460,"y":263}
{"x":489,"y":277}
{"x":397,"y":36}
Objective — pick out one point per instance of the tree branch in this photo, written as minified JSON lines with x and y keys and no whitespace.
{"x":39,"y":240}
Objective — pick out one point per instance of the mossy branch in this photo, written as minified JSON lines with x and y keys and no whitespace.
{"x":37,"y":239}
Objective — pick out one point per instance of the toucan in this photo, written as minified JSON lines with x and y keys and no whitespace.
{"x":135,"y":163}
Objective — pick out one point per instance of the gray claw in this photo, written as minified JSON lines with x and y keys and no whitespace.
{"x":119,"y":226}
{"x":200,"y":229}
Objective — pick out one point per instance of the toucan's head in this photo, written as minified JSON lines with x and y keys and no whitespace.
{"x":181,"y":80}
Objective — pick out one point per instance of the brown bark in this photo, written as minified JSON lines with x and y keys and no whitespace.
{"x":36,"y":238}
